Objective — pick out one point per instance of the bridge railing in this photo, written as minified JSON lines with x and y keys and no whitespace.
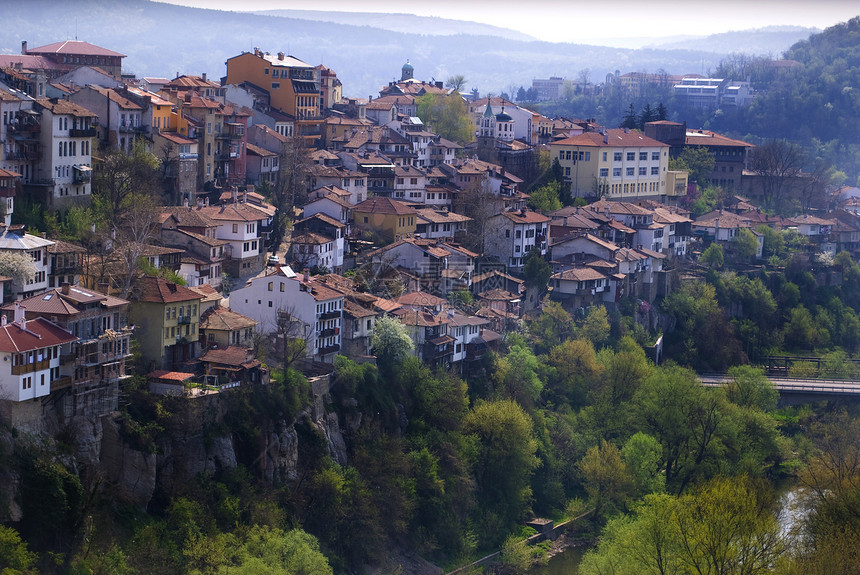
{"x":794,"y":384}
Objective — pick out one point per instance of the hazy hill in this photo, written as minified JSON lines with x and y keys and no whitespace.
{"x":771,"y":40}
{"x":163,"y":40}
{"x":406,"y":23}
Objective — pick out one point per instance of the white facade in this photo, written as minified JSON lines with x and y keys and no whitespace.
{"x":66,"y":162}
{"x":278,"y":294}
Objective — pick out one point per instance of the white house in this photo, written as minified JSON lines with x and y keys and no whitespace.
{"x":31,"y":356}
{"x":510,"y":236}
{"x":15,"y":240}
{"x":293,"y":306}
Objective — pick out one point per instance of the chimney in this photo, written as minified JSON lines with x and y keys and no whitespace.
{"x":64,"y":288}
{"x":605,"y":137}
{"x":19,"y":314}
{"x":306,"y":276}
{"x":280,"y":56}
{"x":626,"y":130}
{"x":199,"y":203}
{"x":103,"y":287}
{"x":203,"y":76}
{"x":234,"y":193}
{"x":523,"y":211}
{"x":3,"y":320}
{"x":24,"y":47}
{"x":245,"y":197}
{"x":185,"y":203}
{"x":206,"y":201}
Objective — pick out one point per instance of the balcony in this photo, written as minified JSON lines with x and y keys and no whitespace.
{"x":330,"y":315}
{"x":328,"y":332}
{"x":228,"y":135}
{"x":330,"y":349}
{"x":183,"y":320}
{"x":225,"y":156}
{"x":61,"y":383}
{"x":30,"y":367}
{"x":82,"y":133}
{"x":24,"y":128}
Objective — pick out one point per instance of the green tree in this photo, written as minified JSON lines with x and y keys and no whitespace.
{"x":536,"y":270}
{"x":15,"y":559}
{"x":503,"y":463}
{"x":696,"y":161}
{"x":552,"y":326}
{"x":120,"y":179}
{"x":447,"y":115}
{"x":685,"y":418}
{"x":643,"y":456}
{"x":546,"y":198}
{"x":595,"y":327}
{"x":746,"y":244}
{"x":391,"y":343}
{"x":749,"y":387}
{"x":712,"y":256}
{"x":774,"y":244}
{"x":606,"y":477}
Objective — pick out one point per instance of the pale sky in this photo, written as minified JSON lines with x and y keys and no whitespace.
{"x":587,"y":22}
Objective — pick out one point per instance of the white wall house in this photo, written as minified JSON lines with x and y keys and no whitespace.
{"x":31,"y":356}
{"x":301,"y":307}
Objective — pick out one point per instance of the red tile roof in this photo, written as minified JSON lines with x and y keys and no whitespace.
{"x":614,"y":138}
{"x":75,"y":48}
{"x":159,"y":290}
{"x":32,"y":334}
{"x":383,"y":205}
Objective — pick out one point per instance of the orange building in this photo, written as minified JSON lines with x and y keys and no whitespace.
{"x":293,"y":86}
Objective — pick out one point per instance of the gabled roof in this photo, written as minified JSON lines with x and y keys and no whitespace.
{"x":384,"y":205}
{"x":224,"y":319}
{"x":525,"y":216}
{"x":579,"y":274}
{"x":614,"y":138}
{"x":232,"y":356}
{"x":32,"y":334}
{"x":420,"y":299}
{"x":65,"y":107}
{"x":159,"y":290}
{"x":593,"y":239}
{"x":75,"y":48}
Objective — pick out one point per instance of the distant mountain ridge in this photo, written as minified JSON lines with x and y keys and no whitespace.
{"x":165,"y":40}
{"x":401,"y":22}
{"x":770,"y":40}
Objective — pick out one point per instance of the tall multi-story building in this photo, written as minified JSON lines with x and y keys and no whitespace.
{"x":62,"y":176}
{"x":71,"y":54}
{"x":31,"y":356}
{"x":120,"y":119}
{"x":296,"y":307}
{"x":92,"y":365}
{"x":293,"y":86}
{"x":166,"y":318}
{"x":731,"y":157}
{"x":616,"y":164}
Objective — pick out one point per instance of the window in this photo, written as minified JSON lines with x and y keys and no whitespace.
{"x":587,"y":156}
{"x":655,"y":171}
{"x":643,"y":171}
{"x":655,"y":156}
{"x":630,"y":171}
{"x":271,"y":286}
{"x":276,"y":85}
{"x":631,"y":156}
{"x":235,"y":228}
{"x":616,"y":157}
{"x":604,"y":155}
{"x":604,"y":172}
{"x":616,"y":172}
{"x":643,"y":156}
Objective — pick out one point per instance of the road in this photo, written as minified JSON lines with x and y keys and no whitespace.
{"x":790,"y":385}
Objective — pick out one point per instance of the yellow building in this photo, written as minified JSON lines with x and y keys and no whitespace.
{"x":293,"y":86}
{"x":616,"y":164}
{"x":389,"y":218}
{"x":166,"y":318}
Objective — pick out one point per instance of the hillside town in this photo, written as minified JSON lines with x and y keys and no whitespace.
{"x":295,"y":215}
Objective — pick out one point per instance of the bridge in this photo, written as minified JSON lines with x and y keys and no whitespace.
{"x":795,"y":386}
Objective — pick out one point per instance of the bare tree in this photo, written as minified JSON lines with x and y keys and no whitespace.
{"x":136,"y":229}
{"x":776,"y":163}
{"x":290,"y":191}
{"x":456,"y":82}
{"x":479,"y":203}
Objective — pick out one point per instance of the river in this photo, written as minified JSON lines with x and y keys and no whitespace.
{"x":565,"y":563}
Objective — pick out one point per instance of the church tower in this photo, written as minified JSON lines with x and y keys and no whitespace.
{"x":406,"y":72}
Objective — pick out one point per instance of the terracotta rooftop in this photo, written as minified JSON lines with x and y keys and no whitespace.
{"x":32,"y":334}
{"x":159,"y":290}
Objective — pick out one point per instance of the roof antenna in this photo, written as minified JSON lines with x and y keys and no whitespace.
{"x":76,"y":28}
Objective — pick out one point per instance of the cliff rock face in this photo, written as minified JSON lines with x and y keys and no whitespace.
{"x":130,"y":473}
{"x":282,"y":455}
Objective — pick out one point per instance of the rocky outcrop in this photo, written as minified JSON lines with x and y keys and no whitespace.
{"x":131,"y":474}
{"x":282,"y":455}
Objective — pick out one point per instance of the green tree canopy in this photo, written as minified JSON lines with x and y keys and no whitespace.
{"x":447,"y":116}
